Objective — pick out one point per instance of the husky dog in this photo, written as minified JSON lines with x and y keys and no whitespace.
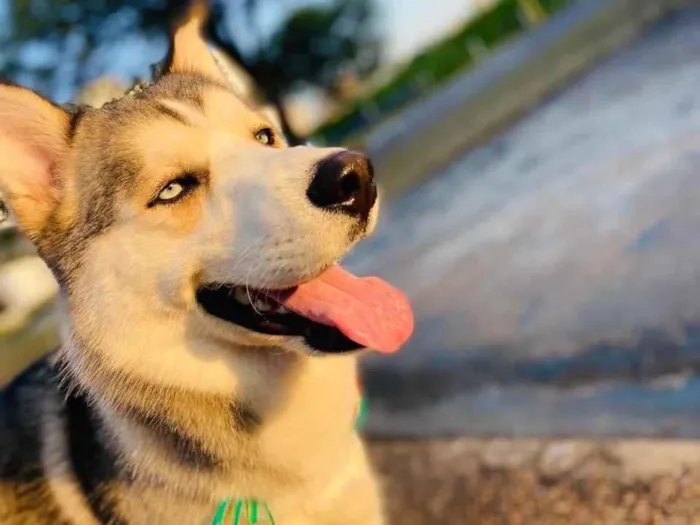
{"x":210,"y":338}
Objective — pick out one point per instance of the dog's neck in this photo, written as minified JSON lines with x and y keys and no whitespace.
{"x":209,"y":446}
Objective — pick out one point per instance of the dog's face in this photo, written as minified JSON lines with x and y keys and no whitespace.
{"x":178,"y":220}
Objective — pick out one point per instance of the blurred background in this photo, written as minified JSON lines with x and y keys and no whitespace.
{"x":538,"y":160}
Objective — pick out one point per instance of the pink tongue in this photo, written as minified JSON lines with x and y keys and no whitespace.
{"x":367,"y":310}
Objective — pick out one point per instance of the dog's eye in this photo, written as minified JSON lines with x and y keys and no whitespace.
{"x":265,"y":136}
{"x":175,"y":190}
{"x":171,"y":191}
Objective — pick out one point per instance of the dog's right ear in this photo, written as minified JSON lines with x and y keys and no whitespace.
{"x":189,"y":52}
{"x":33,"y":144}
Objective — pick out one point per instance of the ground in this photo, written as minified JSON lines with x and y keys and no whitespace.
{"x":535,"y":482}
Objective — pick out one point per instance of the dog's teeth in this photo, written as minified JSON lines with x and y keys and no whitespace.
{"x":282,"y":310}
{"x":261,"y":305}
{"x":241,"y":296}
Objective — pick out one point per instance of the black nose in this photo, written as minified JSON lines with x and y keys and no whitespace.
{"x":344,"y":182}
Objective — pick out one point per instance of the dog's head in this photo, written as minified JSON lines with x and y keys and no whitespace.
{"x":181,"y":225}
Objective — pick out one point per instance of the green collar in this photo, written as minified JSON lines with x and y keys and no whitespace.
{"x":238,"y":509}
{"x":242,"y":508}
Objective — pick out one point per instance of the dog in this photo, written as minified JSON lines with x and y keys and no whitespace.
{"x":209,"y":338}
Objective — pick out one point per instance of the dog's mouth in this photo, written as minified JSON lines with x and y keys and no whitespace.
{"x":335,"y":312}
{"x":256,"y":310}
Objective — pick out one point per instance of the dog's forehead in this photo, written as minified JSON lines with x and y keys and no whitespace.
{"x":187,"y":88}
{"x":217,"y":103}
{"x":117,"y":141}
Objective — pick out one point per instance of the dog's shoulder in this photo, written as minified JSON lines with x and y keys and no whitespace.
{"x":23,"y":498}
{"x":21,"y":406}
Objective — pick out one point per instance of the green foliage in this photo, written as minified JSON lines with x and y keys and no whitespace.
{"x":553,"y":5}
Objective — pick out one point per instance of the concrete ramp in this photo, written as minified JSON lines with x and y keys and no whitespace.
{"x":556,"y":270}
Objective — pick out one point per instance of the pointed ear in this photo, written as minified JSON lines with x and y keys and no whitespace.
{"x":32,"y":145}
{"x":189,"y":52}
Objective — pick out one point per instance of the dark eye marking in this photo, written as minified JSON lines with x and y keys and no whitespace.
{"x":75,"y":114}
{"x":171,"y":113}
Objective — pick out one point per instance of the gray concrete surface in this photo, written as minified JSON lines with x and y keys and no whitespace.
{"x":555,"y":271}
{"x":536,"y":482}
{"x":481,"y":102}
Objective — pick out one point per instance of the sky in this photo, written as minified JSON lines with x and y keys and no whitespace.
{"x":412,"y":24}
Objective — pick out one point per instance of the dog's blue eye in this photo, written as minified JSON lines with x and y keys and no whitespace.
{"x":266,"y":137}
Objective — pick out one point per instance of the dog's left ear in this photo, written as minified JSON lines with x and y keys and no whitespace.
{"x":33,"y":144}
{"x":189,"y":52}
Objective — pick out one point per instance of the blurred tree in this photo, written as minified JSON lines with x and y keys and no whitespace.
{"x":318,"y":46}
{"x":313,"y":46}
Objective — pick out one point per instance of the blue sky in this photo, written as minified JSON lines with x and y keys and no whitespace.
{"x":411,"y":24}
